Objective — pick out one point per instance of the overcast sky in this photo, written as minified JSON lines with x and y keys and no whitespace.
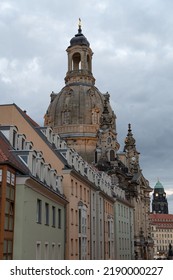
{"x":132,"y":43}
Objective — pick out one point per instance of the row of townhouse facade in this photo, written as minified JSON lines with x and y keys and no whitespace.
{"x":32,"y":210}
{"x":63,"y":208}
{"x":162,"y":234}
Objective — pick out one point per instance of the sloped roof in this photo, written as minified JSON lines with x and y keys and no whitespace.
{"x":8,"y":157}
{"x":161,"y":217}
{"x":161,"y":221}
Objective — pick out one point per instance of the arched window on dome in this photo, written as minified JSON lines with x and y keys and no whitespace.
{"x":76,"y":61}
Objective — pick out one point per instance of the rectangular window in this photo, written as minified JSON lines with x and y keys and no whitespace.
{"x":109,"y":249}
{"x":72,"y":249}
{"x":84,"y":194}
{"x":93,"y":201}
{"x":46,"y":214}
{"x":72,"y":187}
{"x":80,"y":192}
{"x":53,"y":251}
{"x":76,"y":188}
{"x":53,"y":216}
{"x":72,"y":217}
{"x":39,"y":211}
{"x":9,"y":215}
{"x":8,"y":250}
{"x":38,"y":250}
{"x":46,"y":251}
{"x":59,"y":218}
{"x":94,"y":224}
{"x":80,"y":220}
{"x":12,"y":179}
{"x":76,"y":246}
{"x":59,"y":251}
{"x":8,"y":177}
{"x":101,"y":231}
{"x":88,"y":196}
{"x":100,"y":205}
{"x":101,"y":250}
{"x":109,"y":229}
{"x":80,"y":248}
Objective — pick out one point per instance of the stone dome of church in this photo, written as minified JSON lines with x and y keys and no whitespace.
{"x":75,"y":112}
{"x":76,"y":105}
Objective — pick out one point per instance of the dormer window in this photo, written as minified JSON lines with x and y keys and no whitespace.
{"x":10,"y":132}
{"x":53,"y":175}
{"x":21,"y":142}
{"x":47,"y":173}
{"x":14,"y":138}
{"x":56,"y":140}
{"x":42,"y":171}
{"x":59,"y":184}
{"x":28,"y":145}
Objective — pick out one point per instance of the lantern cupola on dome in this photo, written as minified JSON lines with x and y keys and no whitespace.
{"x":79,"y":38}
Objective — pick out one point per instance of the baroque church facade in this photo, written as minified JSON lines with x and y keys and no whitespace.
{"x":83,"y":117}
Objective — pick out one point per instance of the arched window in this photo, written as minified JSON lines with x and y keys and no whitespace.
{"x":76,"y":61}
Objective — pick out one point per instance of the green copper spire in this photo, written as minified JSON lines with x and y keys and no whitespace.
{"x":158,"y":185}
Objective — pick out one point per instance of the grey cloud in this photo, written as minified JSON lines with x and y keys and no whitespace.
{"x":133,"y":60}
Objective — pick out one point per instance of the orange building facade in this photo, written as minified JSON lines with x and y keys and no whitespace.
{"x":89,"y":231}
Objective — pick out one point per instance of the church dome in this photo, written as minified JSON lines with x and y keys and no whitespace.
{"x":75,"y":113}
{"x":77,"y":105}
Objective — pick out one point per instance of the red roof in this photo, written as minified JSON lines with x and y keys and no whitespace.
{"x":2,"y":155}
{"x":162,"y":221}
{"x":161,"y":216}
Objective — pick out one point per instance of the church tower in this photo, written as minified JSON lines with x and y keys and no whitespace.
{"x":77,"y":112}
{"x":131,"y":152}
{"x":159,"y":202}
